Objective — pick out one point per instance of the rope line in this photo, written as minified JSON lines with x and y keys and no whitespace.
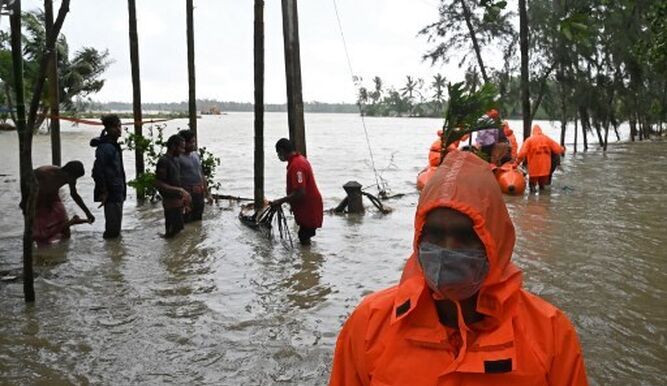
{"x":98,"y":123}
{"x":381,"y":185}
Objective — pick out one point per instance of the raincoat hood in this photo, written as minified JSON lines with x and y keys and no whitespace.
{"x":537,"y":130}
{"x":465,"y":183}
{"x":507,"y":130}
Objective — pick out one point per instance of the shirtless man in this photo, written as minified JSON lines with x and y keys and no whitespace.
{"x":51,"y":221}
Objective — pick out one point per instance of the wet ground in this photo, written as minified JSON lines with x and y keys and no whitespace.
{"x":222,"y":304}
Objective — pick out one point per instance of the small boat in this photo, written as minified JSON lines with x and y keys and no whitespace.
{"x":511,"y":179}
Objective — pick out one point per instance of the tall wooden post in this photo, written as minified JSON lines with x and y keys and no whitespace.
{"x":293,"y":75}
{"x":525,"y":91}
{"x":28,"y":181}
{"x":136,"y":90}
{"x":54,"y":89}
{"x":192,"y":96}
{"x":259,"y":104}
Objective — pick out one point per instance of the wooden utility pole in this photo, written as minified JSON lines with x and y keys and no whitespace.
{"x":136,"y":91}
{"x":192,"y":96}
{"x":28,"y":180}
{"x":525,"y":90}
{"x":293,"y":75}
{"x":259,"y":104}
{"x":54,"y":88}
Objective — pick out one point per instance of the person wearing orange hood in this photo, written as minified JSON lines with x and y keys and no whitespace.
{"x":537,"y":151}
{"x":459,"y":315}
{"x":511,"y":138}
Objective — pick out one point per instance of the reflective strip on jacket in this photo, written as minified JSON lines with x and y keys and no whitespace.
{"x":394,"y":337}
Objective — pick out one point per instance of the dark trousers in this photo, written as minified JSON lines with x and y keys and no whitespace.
{"x":305,"y":234}
{"x":173,"y":221}
{"x":113,"y":217}
{"x":197,"y":207}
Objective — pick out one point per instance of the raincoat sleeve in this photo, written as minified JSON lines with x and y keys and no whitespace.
{"x":523,"y":152}
{"x":349,"y":363}
{"x":567,"y":366}
{"x":556,"y":148}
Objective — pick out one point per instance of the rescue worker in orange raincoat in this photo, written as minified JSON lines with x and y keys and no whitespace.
{"x":511,"y":138}
{"x":459,"y":315}
{"x":537,"y":151}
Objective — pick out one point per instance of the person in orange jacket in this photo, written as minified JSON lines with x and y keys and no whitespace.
{"x":459,"y":315}
{"x":537,"y":151}
{"x":511,"y":138}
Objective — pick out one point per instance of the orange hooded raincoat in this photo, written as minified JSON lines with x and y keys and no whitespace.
{"x":511,"y":138}
{"x":394,"y":337}
{"x":537,"y":151}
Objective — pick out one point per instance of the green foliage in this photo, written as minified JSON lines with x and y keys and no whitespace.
{"x":79,"y":73}
{"x":209,"y":163}
{"x":411,"y":99}
{"x":154,"y":146}
{"x":464,"y":110}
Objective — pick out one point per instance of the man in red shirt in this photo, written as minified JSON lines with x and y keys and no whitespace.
{"x":302,"y":193}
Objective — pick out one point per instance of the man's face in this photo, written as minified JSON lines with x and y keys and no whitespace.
{"x":190,"y":145}
{"x":179,"y":148}
{"x":115,"y":131}
{"x":281,"y":155}
{"x":450,"y":229}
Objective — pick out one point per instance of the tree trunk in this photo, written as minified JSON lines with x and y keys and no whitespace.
{"x":576,"y":131}
{"x":473,"y":37}
{"x":136,"y":92}
{"x":38,"y":87}
{"x":54,"y":100}
{"x":563,"y":108}
{"x":192,"y":96}
{"x":28,"y":181}
{"x":525,"y":80}
{"x":293,"y":75}
{"x":585,"y":125}
{"x":259,"y":104}
{"x":633,"y":129}
{"x":598,"y":131}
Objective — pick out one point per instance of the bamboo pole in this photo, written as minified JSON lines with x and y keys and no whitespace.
{"x":28,"y":181}
{"x":259,"y":104}
{"x":136,"y":91}
{"x":54,"y":97}
{"x":293,"y":75}
{"x":192,"y":96}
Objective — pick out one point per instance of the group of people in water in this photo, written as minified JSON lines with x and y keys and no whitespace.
{"x":179,"y":178}
{"x":500,"y":149}
{"x":459,"y":314}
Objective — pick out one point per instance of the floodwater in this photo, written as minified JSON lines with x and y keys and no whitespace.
{"x":222,"y":304}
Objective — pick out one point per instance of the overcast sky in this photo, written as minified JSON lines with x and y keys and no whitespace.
{"x":381,"y":37}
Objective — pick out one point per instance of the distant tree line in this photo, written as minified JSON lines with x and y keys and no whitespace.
{"x":207,"y":104}
{"x":419,"y":98}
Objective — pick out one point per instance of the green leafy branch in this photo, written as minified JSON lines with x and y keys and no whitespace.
{"x":465,"y":109}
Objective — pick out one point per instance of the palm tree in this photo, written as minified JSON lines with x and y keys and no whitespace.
{"x":439,"y":84}
{"x":410,"y":88}
{"x":377,"y":92}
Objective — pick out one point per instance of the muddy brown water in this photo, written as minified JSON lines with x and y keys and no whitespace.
{"x":222,"y":304}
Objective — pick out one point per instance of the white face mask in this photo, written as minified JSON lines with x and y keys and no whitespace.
{"x":455,"y":274}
